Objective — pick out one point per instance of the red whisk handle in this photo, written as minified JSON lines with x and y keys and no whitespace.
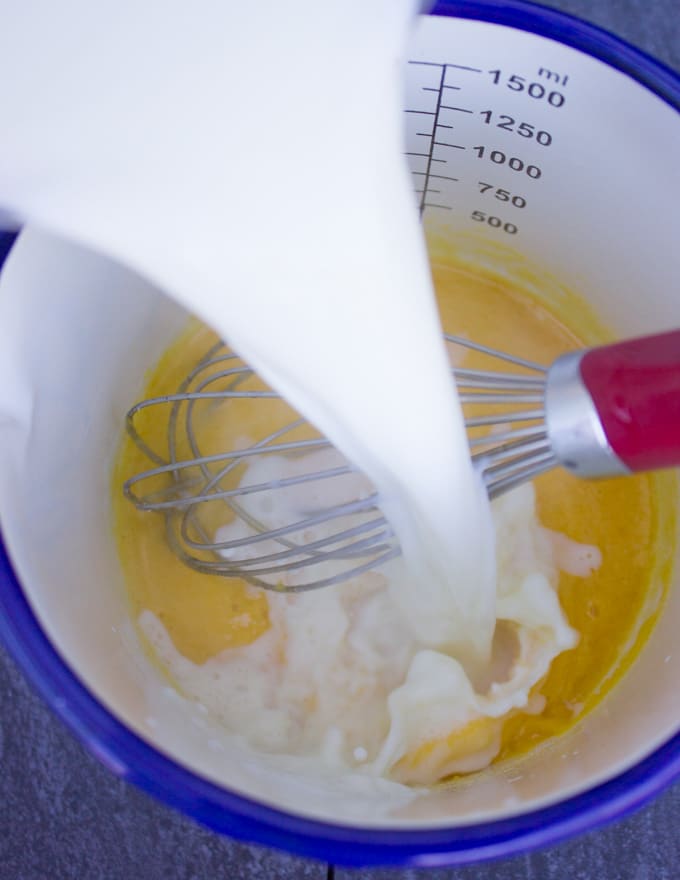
{"x":635,"y":387}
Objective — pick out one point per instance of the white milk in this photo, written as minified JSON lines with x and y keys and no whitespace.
{"x":248,"y":158}
{"x":358,"y":691}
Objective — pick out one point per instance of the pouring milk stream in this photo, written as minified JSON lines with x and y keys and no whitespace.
{"x":248,"y":160}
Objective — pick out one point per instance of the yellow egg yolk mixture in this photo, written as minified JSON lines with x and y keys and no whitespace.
{"x":629,"y":520}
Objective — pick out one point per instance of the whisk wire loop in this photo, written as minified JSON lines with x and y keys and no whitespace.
{"x":220,"y":508}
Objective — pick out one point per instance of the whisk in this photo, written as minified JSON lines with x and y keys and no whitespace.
{"x":286,"y":511}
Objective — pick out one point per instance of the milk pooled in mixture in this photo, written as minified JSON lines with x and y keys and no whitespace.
{"x":248,"y":159}
{"x":342,"y":675}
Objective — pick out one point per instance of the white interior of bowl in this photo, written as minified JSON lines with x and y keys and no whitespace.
{"x":78,"y":332}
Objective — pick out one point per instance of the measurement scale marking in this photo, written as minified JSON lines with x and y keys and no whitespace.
{"x":430,"y":158}
{"x":426,"y":156}
{"x":428,"y":174}
{"x":446,"y":64}
{"x":434,"y":176}
{"x":463,"y":67}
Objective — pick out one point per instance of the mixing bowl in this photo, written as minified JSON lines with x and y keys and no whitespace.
{"x":575,"y":138}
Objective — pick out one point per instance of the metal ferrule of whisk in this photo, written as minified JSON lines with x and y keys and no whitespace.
{"x":573,"y":424}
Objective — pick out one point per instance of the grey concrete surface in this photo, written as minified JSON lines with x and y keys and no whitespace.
{"x":63,"y":816}
{"x":645,"y":846}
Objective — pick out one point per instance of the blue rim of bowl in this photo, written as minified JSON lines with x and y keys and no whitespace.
{"x":130,"y":757}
